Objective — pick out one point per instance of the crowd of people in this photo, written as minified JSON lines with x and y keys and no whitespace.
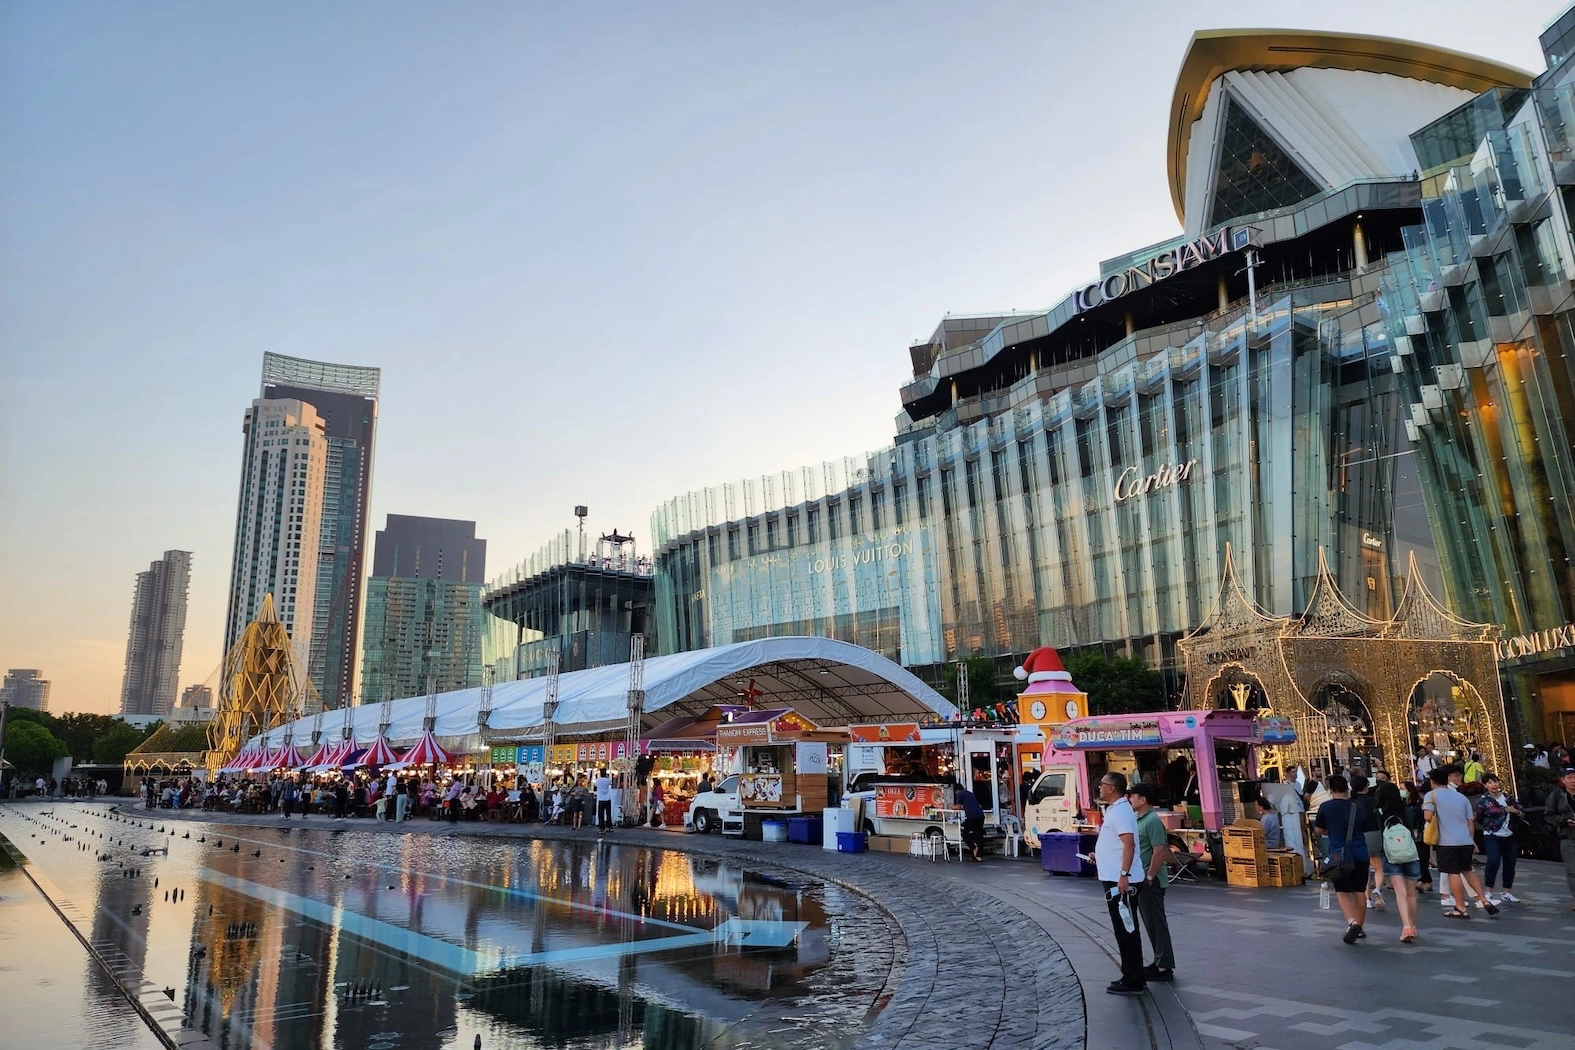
{"x":567,"y":801}
{"x":1372,"y":835}
{"x":64,"y":787}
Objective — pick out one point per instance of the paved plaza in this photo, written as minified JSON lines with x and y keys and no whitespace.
{"x":1003,"y":955}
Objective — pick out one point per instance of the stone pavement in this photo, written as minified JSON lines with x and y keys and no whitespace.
{"x":1001,"y":955}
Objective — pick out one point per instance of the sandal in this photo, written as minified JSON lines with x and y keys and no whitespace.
{"x":1408,"y":934}
{"x":1456,"y":913}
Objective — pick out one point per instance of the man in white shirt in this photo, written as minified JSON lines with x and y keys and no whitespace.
{"x":603,"y":785}
{"x":1426,"y":762}
{"x":1121,"y":874}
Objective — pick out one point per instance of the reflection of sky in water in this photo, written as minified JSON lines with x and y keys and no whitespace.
{"x":334,"y":938}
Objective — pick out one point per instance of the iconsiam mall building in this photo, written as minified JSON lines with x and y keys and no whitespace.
{"x":1339,"y":401}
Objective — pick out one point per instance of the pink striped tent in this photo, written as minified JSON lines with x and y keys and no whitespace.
{"x":379,"y":754}
{"x":324,"y":752}
{"x":244,"y":759}
{"x":335,"y":759}
{"x":426,"y":752}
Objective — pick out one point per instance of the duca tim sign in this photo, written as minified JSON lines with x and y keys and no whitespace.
{"x":1186,"y":256}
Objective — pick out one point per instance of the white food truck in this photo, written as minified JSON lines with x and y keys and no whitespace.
{"x":904,"y":775}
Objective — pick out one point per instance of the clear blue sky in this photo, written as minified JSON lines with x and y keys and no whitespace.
{"x":603,"y":253}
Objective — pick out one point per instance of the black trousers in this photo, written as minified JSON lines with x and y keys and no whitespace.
{"x":1130,"y":942}
{"x":604,"y":813}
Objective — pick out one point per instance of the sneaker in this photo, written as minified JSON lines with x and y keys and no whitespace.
{"x":1352,"y":932}
{"x":1508,"y":896}
{"x":1376,"y":901}
{"x":1447,"y":901}
{"x":1122,"y":988}
{"x":1154,"y":973}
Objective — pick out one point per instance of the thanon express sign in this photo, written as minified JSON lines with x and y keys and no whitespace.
{"x":1222,"y":241}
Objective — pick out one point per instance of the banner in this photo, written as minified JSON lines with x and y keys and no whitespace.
{"x":505,"y":756}
{"x":887,"y":733}
{"x":908,"y":800}
{"x":810,"y":758}
{"x":1113,"y":733}
{"x":531,"y":755}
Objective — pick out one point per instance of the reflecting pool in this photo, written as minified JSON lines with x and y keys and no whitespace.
{"x":329,"y":937}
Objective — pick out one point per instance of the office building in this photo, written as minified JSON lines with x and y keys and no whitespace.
{"x":158,"y":628}
{"x":424,"y":624}
{"x":24,"y":687}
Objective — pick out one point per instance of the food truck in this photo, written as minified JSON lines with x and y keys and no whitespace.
{"x":781,"y":764}
{"x":904,"y":774}
{"x":1062,"y":796}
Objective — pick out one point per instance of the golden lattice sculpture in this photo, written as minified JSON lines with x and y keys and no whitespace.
{"x":1380,"y":662}
{"x":262,"y":685}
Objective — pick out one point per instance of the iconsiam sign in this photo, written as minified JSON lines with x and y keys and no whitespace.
{"x":1221,"y":242}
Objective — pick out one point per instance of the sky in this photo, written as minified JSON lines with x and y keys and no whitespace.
{"x":604,"y":254}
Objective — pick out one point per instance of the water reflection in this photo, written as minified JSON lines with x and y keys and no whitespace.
{"x":331,"y":938}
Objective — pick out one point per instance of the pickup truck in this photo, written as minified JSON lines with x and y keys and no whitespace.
{"x":718,"y":809}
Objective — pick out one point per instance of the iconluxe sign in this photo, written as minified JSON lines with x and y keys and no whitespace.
{"x":1538,"y":642}
{"x":1131,"y":481}
{"x":1223,"y":241}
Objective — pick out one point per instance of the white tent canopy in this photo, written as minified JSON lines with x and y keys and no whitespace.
{"x":829,"y":682}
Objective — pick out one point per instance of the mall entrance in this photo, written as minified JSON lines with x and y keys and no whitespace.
{"x":1360,"y":692}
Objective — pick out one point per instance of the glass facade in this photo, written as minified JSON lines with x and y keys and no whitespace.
{"x":1480,"y":311}
{"x":1096,"y":516}
{"x":1255,"y":173}
{"x":417,"y":627}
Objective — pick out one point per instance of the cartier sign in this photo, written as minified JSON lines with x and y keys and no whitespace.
{"x":1222,"y":241}
{"x":1132,"y":482}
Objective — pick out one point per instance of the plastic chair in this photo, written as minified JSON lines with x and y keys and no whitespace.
{"x":1013,"y":829}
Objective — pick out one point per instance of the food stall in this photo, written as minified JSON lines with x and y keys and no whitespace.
{"x":1063,"y":798}
{"x":782,"y":763}
{"x":904,"y":775}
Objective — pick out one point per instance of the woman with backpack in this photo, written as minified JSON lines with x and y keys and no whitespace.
{"x":1402,"y":862}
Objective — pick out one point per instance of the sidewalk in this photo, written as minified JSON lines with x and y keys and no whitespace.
{"x":1002,"y":955}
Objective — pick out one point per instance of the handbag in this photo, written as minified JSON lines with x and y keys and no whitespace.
{"x":1399,"y":843}
{"x":1430,"y":831}
{"x":1338,"y":865}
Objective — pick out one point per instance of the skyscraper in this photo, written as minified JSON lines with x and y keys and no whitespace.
{"x":158,"y":628}
{"x":24,"y":688}
{"x":423,"y":608}
{"x":324,"y":614}
{"x":278,"y":521}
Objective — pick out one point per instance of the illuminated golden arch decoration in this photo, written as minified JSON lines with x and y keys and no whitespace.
{"x":262,"y":685}
{"x":1381,"y":661}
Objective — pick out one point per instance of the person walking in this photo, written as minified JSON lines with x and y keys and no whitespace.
{"x":973,"y":822}
{"x":1413,"y":819}
{"x":1153,"y":843}
{"x":658,"y":803}
{"x":1451,"y":812}
{"x":287,"y":796}
{"x":1495,"y":808}
{"x":1341,"y":820}
{"x":1559,"y":812}
{"x":1362,"y":795}
{"x":401,"y":801}
{"x":1399,"y":853}
{"x":1115,"y":858}
{"x":604,"y":806}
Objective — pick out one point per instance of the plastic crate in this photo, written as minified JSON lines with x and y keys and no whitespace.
{"x":852,"y":842}
{"x":806,"y":830}
{"x":774,"y":831}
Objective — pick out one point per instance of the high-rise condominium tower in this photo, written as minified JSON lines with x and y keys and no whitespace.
{"x":423,"y":608}
{"x":279,"y":519}
{"x":158,"y":627}
{"x":25,"y":687}
{"x":324,"y":622}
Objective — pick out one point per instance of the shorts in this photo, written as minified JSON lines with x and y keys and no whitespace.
{"x":1453,"y":860}
{"x":1406,"y":869}
{"x":1356,"y":882}
{"x":1375,"y":843}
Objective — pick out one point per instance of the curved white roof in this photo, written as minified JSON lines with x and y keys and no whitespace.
{"x":829,"y":682}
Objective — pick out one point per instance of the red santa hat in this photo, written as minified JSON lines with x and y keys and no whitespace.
{"x":1042,"y":665}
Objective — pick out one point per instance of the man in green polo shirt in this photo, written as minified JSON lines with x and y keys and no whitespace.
{"x":1153,"y":847}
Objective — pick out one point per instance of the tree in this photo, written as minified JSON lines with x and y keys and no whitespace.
{"x":32,"y":748}
{"x":1116,"y":685}
{"x":111,"y":745}
{"x":984,"y":688}
{"x":80,"y":732}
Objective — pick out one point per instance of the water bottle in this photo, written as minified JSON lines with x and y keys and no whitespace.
{"x":1125,"y":911}
{"x":1324,"y":897}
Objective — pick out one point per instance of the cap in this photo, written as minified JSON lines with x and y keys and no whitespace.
{"x":1529,"y":747}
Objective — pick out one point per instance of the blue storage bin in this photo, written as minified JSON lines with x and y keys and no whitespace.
{"x":1058,"y":852}
{"x":851,"y":842}
{"x":806,"y":830}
